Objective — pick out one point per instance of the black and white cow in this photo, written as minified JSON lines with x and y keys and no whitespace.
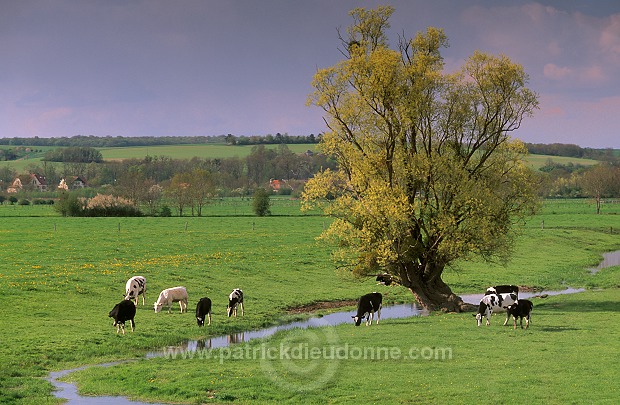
{"x":235,"y":299}
{"x":385,"y":279}
{"x":122,"y":312}
{"x":203,"y":309}
{"x":503,"y":289}
{"x":521,"y":309}
{"x":367,"y":306}
{"x":494,"y":303}
{"x":135,"y":286}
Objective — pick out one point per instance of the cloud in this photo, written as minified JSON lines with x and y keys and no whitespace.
{"x":610,"y":38}
{"x":554,"y":72}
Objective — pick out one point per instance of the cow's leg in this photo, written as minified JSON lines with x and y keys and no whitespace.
{"x":515,"y":323}
{"x":371,"y":315}
{"x":143,"y":296}
{"x":209,"y":314}
{"x":133,"y":324}
{"x":489,"y":318}
{"x":242,"y":309}
{"x":378,"y":314}
{"x":507,"y":318}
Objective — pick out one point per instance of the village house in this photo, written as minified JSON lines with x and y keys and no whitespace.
{"x":72,"y":183}
{"x":76,"y":182}
{"x":36,"y":181}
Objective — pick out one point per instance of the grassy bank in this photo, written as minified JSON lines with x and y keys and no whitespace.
{"x":563,"y":358}
{"x":61,"y":276}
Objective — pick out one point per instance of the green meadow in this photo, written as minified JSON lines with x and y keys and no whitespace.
{"x":61,"y":276}
{"x":221,"y":151}
{"x":205,"y":151}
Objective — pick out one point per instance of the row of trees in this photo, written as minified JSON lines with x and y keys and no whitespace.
{"x":571,"y":150}
{"x":228,"y":174}
{"x":120,"y":141}
{"x":575,"y":181}
{"x":74,"y":154}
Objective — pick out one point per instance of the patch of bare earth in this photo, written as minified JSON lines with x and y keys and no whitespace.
{"x":320,"y":305}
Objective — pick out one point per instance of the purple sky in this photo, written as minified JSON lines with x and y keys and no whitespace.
{"x":206,"y":67}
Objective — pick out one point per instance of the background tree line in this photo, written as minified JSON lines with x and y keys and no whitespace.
{"x":185,"y":184}
{"x":553,"y":149}
{"x":121,"y":141}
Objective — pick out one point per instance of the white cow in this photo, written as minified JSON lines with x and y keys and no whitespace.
{"x":135,"y":286}
{"x":171,"y":295}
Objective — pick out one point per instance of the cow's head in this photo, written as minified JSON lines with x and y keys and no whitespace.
{"x":357,"y":320}
{"x":157,"y":307}
{"x":478,"y":318}
{"x":229,"y":310}
{"x":114,"y":312}
{"x":200,"y":321}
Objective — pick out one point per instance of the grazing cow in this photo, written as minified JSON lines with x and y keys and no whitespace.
{"x":385,"y":279}
{"x":170,"y":296}
{"x":235,"y":299}
{"x":135,"y":286}
{"x":122,"y":312}
{"x":203,"y":309}
{"x":366,"y":307}
{"x":521,"y":309}
{"x":494,"y":303}
{"x":503,"y":289}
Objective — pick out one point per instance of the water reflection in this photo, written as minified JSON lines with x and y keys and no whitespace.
{"x":475,"y":298}
{"x":337,"y":318}
{"x":609,"y":260}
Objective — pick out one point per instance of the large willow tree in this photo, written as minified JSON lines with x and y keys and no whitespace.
{"x":428,"y":172}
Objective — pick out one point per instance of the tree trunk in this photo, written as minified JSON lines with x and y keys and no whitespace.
{"x":433,"y":294}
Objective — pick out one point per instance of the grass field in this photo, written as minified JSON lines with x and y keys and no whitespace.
{"x":538,"y":161}
{"x":67,"y":273}
{"x":205,"y":151}
{"x":211,"y":151}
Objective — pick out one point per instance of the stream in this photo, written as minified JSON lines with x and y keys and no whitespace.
{"x":69,"y":392}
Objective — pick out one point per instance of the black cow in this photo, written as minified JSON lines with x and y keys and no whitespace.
{"x":203,"y":309}
{"x":366,"y":307}
{"x":503,"y":289}
{"x":521,"y":309}
{"x":235,"y":299}
{"x":122,"y":312}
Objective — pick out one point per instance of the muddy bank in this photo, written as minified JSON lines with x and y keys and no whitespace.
{"x":320,"y":305}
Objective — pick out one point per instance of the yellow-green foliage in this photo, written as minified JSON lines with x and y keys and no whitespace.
{"x":428,"y":170}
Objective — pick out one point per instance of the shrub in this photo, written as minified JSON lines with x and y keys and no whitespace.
{"x":24,"y":201}
{"x":103,"y":205}
{"x":68,"y":205}
{"x":165,"y":211}
{"x":100,"y":205}
{"x":261,"y":203}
